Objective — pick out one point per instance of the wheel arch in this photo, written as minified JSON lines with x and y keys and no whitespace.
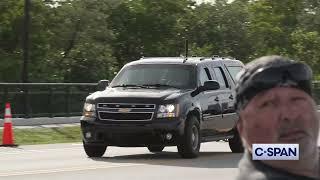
{"x":196,"y":113}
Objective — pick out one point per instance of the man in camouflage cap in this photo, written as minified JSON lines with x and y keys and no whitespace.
{"x":275,"y":105}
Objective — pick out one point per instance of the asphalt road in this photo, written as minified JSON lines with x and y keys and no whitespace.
{"x":68,"y":161}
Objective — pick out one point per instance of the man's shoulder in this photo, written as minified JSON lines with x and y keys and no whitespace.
{"x":256,"y":170}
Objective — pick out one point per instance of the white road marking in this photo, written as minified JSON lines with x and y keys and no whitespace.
{"x":70,"y":169}
{"x":9,"y":151}
{"x":19,"y":152}
{"x":76,"y":144}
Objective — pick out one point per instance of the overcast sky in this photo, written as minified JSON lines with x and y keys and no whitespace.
{"x":200,"y":1}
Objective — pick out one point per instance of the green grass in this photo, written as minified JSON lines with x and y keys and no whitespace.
{"x":46,"y":135}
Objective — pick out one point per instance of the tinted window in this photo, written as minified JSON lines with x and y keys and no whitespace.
{"x":208,"y":73}
{"x":204,"y":75}
{"x":182,"y":76}
{"x":220,"y":77}
{"x":234,"y":70}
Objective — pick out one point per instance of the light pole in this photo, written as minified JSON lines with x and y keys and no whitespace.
{"x":25,"y":72}
{"x":26,"y":24}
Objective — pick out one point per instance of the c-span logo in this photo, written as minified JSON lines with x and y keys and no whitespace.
{"x":275,"y":151}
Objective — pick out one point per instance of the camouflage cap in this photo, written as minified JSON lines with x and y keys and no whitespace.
{"x":271,"y":71}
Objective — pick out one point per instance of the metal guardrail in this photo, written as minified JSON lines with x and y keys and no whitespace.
{"x":316,"y":91}
{"x":45,"y":99}
{"x":57,"y":99}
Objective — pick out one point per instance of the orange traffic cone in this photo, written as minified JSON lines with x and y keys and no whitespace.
{"x":7,"y":136}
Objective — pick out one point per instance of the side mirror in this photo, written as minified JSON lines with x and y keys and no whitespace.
{"x":102,"y":84}
{"x":211,"y":85}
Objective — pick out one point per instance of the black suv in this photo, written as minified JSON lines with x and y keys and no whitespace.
{"x":158,"y":102}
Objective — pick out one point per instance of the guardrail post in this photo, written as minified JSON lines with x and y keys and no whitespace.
{"x":5,"y":94}
{"x":50,"y":102}
{"x":316,"y":91}
{"x":28,"y":113}
{"x":67,"y":97}
{"x":5,"y":97}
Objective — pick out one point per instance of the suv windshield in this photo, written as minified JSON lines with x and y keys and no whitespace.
{"x":156,"y":75}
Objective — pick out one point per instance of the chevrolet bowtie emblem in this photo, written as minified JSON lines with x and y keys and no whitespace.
{"x":124,"y":110}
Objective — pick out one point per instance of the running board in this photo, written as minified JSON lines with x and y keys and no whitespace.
{"x":215,"y":138}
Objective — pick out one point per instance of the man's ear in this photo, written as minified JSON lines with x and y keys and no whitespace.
{"x":240,"y":126}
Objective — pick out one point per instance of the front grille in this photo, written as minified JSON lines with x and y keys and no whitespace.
{"x":125,"y":105}
{"x":114,"y":116}
{"x":125,"y":111}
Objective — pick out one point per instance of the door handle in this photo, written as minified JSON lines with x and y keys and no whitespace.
{"x":231,"y":97}
{"x":217,"y":98}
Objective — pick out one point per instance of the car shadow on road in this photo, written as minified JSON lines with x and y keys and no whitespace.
{"x":205,"y":159}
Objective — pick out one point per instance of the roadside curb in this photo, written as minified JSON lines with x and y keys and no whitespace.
{"x":42,"y":121}
{"x":46,"y":126}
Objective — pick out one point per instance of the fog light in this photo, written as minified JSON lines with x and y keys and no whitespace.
{"x":168,"y":136}
{"x":88,"y":135}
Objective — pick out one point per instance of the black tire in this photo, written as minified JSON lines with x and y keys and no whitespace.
{"x":190,"y":142}
{"x":235,"y":143}
{"x":155,"y":148}
{"x":94,"y":150}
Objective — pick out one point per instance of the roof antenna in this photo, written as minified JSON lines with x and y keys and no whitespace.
{"x":186,"y":51}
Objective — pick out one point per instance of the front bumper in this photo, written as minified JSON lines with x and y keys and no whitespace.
{"x":132,"y":134}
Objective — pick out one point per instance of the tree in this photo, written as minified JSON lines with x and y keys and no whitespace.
{"x":271,"y":22}
{"x":72,"y":42}
{"x":88,"y":40}
{"x":306,"y":46}
{"x":220,"y":29}
{"x":11,"y":15}
{"x":148,"y":28}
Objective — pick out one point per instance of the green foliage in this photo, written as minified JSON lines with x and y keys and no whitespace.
{"x":148,"y":28}
{"x":222,"y":27}
{"x":78,"y":42}
{"x":306,"y":47}
{"x":10,"y":47}
{"x":69,"y":42}
{"x":88,"y":40}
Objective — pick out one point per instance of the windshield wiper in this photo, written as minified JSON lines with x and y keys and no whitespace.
{"x":130,"y":85}
{"x":160,"y":85}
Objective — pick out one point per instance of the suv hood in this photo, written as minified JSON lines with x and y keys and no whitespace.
{"x":122,"y":94}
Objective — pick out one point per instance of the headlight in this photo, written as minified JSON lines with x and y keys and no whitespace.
{"x":168,"y":110}
{"x":89,"y":110}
